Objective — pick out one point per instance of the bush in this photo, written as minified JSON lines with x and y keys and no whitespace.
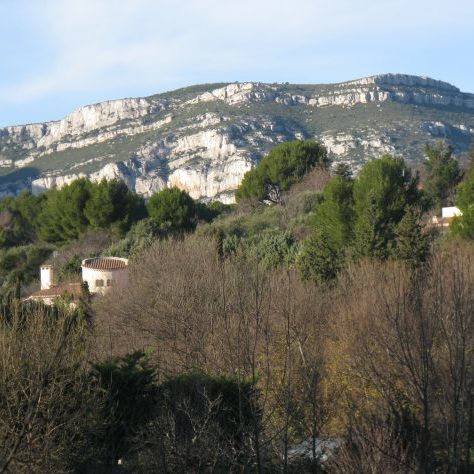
{"x":71,"y":269}
{"x":127,"y":404}
{"x":141,"y":236}
{"x":203,"y":422}
{"x":273,"y":249}
{"x":21,"y":264}
{"x":209,"y":212}
{"x":319,"y":260}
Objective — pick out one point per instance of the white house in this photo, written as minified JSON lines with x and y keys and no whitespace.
{"x":447,"y":216}
{"x":102,"y":274}
{"x":452,"y":211}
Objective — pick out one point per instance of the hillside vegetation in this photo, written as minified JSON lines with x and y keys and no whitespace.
{"x":322,"y":306}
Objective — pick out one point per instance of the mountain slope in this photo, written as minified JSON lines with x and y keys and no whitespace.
{"x":204,"y":138}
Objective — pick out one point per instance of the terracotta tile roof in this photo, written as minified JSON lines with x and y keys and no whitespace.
{"x":105,"y":263}
{"x":71,"y":289}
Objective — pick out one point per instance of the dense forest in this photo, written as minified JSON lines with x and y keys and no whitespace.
{"x":321,"y":324}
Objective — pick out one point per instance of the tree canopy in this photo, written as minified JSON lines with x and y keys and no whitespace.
{"x":111,"y":203}
{"x":382,"y":191}
{"x":463,"y":226}
{"x":443,"y":174}
{"x":285,"y":165}
{"x":19,"y":219}
{"x":62,"y":217}
{"x":172,"y":209}
{"x":69,"y":211}
{"x":335,"y":216}
{"x":366,"y":217}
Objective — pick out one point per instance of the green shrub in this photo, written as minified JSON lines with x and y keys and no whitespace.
{"x":71,"y":269}
{"x":274,"y":249}
{"x":140,"y":237}
{"x":21,"y":264}
{"x":127,"y":390}
{"x":319,"y":260}
{"x":209,"y":212}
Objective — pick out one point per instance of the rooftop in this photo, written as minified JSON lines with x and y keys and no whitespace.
{"x":69,"y":289}
{"x":105,"y":263}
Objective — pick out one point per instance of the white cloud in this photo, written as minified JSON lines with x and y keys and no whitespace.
{"x":96,"y":44}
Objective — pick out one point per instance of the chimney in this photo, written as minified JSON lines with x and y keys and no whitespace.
{"x":46,"y":277}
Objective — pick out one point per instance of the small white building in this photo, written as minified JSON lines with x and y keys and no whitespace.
{"x":447,"y":216}
{"x":46,"y":276}
{"x":452,"y":211}
{"x":104,"y":273}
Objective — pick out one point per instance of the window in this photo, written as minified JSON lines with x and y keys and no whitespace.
{"x":110,"y":282}
{"x":99,"y":283}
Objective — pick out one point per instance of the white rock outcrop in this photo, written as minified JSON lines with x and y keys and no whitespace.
{"x":204,"y":142}
{"x":380,"y":88}
{"x":82,"y":121}
{"x":238,"y":93}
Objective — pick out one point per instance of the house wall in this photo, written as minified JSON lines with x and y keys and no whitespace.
{"x":450,"y":212}
{"x":118,"y":279}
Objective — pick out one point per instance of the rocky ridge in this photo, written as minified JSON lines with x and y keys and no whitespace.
{"x":203,"y":139}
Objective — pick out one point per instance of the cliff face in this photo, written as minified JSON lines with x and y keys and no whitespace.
{"x":203,"y":139}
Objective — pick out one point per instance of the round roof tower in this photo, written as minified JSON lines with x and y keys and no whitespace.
{"x":102,"y":274}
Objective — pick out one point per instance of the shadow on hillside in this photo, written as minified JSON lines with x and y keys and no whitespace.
{"x":20,"y":174}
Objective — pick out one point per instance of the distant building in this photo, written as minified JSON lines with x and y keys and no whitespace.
{"x":102,"y":274}
{"x":70,"y":291}
{"x":46,"y":276}
{"x":447,"y":216}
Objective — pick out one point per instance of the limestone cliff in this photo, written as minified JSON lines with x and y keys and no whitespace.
{"x":204,"y":138}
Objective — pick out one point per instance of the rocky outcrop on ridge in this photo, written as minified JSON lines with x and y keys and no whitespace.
{"x":203,"y":139}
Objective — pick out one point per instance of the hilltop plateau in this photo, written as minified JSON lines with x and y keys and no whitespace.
{"x":204,"y":138}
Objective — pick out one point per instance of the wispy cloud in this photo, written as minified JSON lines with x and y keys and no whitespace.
{"x":94,"y":46}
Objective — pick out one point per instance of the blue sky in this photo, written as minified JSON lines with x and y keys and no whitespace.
{"x":61,"y":54}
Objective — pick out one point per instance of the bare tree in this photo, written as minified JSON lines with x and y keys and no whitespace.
{"x":43,"y":388}
{"x":383,"y":356}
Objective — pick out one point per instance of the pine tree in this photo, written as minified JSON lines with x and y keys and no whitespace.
{"x":173,"y":210}
{"x":443,"y":174}
{"x":285,"y":165}
{"x":319,"y":260}
{"x":382,"y":191}
{"x":412,"y":243}
{"x":373,"y":233}
{"x":463,"y":226}
{"x":343,"y":170}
